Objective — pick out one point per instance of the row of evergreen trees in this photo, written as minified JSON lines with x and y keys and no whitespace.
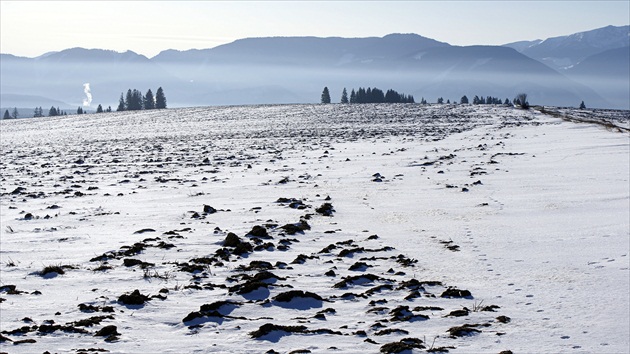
{"x":369,"y":95}
{"x":135,"y":101}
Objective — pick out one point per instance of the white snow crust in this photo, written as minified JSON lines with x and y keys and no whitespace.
{"x":527,"y":212}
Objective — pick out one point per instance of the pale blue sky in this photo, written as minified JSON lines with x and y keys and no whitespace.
{"x":31,"y":28}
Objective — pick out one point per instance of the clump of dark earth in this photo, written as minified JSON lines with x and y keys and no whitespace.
{"x":402,"y":345}
{"x":51,"y":270}
{"x":270,"y":327}
{"x":290,"y":295}
{"x":456,"y":293}
{"x":357,"y":278}
{"x":207,"y":209}
{"x":130,"y":262}
{"x":390,"y":331}
{"x":94,"y":320}
{"x":257,"y":265}
{"x":325,"y":209}
{"x":92,"y":308}
{"x":465,"y":330}
{"x":459,"y":313}
{"x":292,"y":229}
{"x":231,"y":240}
{"x":247,"y":287}
{"x":135,"y":298}
{"x":503,"y":319}
{"x":111,"y":332}
{"x":143,"y":231}
{"x":260,"y":232}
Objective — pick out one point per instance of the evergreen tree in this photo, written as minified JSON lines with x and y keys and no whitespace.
{"x":53,"y":111}
{"x":353,"y":96}
{"x":15,"y":113}
{"x":38,"y":112}
{"x":149,"y":100}
{"x":582,"y":105}
{"x":99,"y":109}
{"x":121,"y":103}
{"x":325,"y":96}
{"x":344,"y":96}
{"x":79,"y":110}
{"x":109,"y":109}
{"x":464,"y":100}
{"x":448,"y":101}
{"x":506,"y":102}
{"x":6,"y":115}
{"x":128,"y":100}
{"x":160,"y":99}
{"x":440,"y":100}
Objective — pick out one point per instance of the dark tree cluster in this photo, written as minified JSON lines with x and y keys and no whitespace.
{"x":135,"y":101}
{"x":489,"y":100}
{"x":52,"y":112}
{"x":521,"y":101}
{"x":375,"y":95}
{"x":99,"y":109}
{"x":39,"y":112}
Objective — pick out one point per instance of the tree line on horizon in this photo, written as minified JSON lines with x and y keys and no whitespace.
{"x":375,"y":95}
{"x":133,"y":101}
{"x":369,"y":95}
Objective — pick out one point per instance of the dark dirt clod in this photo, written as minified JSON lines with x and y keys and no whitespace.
{"x":135,"y":298}
{"x":231,"y":240}
{"x":456,"y":293}
{"x":292,"y":229}
{"x":390,"y":331}
{"x":402,"y":345}
{"x":290,"y":295}
{"x":270,"y":327}
{"x":207,"y":209}
{"x":465,"y":330}
{"x":259,"y":231}
{"x":107,"y":331}
{"x":325,"y":209}
{"x":504,"y":319}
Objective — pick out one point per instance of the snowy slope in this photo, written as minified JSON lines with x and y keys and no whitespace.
{"x":470,"y":229}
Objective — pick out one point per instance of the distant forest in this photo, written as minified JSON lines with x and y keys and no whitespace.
{"x":369,"y":95}
{"x":375,"y":95}
{"x":133,"y":101}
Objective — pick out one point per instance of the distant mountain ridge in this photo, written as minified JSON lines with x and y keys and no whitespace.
{"x":295,"y":70}
{"x":565,"y":51}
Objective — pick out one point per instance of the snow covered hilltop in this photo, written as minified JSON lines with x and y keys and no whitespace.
{"x":320,"y":228}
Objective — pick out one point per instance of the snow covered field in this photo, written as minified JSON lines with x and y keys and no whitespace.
{"x":315,"y":228}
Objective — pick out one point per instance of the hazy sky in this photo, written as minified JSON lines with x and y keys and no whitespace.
{"x":31,"y":28}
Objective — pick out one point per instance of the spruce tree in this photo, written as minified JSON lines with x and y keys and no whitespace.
{"x":344,"y":96}
{"x":325,"y":96}
{"x":99,"y":109}
{"x":6,"y":115}
{"x":15,"y":113}
{"x":582,"y":105}
{"x":121,"y":103}
{"x":464,"y":100}
{"x":129,"y":100}
{"x":160,"y":99}
{"x":149,"y":100}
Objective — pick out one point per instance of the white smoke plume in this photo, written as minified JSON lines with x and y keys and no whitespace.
{"x":87,"y":101}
